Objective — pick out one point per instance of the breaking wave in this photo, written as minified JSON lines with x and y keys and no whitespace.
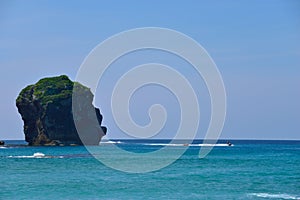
{"x":110,"y":142}
{"x":275,"y":196}
{"x":190,"y":145}
{"x":36,"y":155}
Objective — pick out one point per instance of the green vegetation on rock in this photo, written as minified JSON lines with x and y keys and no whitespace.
{"x":48,"y":90}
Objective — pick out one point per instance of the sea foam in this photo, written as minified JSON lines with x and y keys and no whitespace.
{"x":190,"y":145}
{"x":275,"y":196}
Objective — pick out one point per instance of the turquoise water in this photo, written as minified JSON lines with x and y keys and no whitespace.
{"x":247,"y":170}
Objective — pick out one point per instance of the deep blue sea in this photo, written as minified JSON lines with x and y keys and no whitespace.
{"x":250,"y":169}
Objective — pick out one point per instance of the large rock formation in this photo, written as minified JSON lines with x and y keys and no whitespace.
{"x":51,"y":119}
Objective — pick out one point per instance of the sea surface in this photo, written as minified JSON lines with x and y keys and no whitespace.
{"x":250,"y":169}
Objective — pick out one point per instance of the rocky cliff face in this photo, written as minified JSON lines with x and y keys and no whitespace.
{"x":47,"y":112}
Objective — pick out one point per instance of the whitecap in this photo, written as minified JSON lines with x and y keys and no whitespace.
{"x":275,"y":196}
{"x":190,"y":145}
{"x":211,"y":145}
{"x":38,"y":155}
{"x":110,"y":142}
{"x":35,"y":155}
{"x":20,"y":156}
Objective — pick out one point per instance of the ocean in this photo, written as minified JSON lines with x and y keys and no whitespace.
{"x":249,"y":169}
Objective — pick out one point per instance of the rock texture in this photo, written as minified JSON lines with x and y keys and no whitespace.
{"x":51,"y":118}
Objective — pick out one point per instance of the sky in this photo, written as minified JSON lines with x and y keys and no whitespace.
{"x":255,"y":45}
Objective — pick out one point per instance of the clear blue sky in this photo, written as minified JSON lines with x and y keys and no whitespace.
{"x":255,"y":44}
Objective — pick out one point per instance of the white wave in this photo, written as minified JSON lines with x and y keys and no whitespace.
{"x":211,"y":145}
{"x":110,"y":142}
{"x":190,"y":145}
{"x":20,"y":156}
{"x":106,"y":140}
{"x":275,"y":196}
{"x":3,"y":147}
{"x":36,"y":155}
